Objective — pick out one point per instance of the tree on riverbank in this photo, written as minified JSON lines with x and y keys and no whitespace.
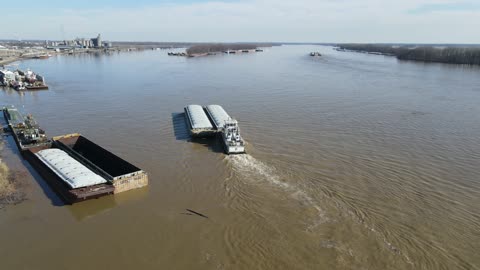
{"x":445,"y":54}
{"x":467,"y":56}
{"x":219,"y":47}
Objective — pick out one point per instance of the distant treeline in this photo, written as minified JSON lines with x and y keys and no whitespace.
{"x":221,"y":47}
{"x":467,"y":55}
{"x":149,"y":45}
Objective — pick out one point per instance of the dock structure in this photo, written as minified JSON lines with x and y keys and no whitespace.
{"x":198,"y":121}
{"x":218,"y":115}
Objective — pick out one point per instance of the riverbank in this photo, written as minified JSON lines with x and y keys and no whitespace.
{"x":9,"y":60}
{"x":15,"y":55}
{"x":448,"y":54}
{"x":11,"y":187}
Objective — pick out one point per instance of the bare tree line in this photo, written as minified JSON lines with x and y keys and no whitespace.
{"x":447,"y":54}
{"x":220,"y":47}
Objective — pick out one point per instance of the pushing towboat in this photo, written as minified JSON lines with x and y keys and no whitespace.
{"x":233,"y":142}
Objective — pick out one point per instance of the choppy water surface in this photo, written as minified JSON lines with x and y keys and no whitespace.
{"x":354,"y":162}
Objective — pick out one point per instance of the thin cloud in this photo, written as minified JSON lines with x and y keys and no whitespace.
{"x":254,"y":20}
{"x":445,"y":7}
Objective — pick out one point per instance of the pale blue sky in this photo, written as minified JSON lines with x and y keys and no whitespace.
{"x":446,"y":7}
{"x":413,"y":21}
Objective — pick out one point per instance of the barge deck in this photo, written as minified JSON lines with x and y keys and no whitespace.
{"x":218,"y":115}
{"x":198,"y":121}
{"x":63,"y":180}
{"x":117,"y":171}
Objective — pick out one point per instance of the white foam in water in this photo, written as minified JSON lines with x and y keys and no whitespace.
{"x":253,"y":169}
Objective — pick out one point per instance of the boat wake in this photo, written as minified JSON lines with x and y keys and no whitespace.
{"x":254,"y":171}
{"x":251,"y":168}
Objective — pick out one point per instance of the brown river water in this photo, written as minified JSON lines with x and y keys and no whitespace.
{"x":354,"y":162}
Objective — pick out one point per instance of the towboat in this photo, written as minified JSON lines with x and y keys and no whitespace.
{"x":232,"y":140}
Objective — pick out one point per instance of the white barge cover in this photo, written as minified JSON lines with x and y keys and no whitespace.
{"x":197,"y":117}
{"x":74,"y":173}
{"x":218,"y":115}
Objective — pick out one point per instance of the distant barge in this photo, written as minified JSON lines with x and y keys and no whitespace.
{"x":37,"y":87}
{"x":75,"y":167}
{"x":213,"y":119}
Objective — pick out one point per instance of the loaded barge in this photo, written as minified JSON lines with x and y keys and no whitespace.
{"x":213,"y":119}
{"x":75,"y":167}
{"x":120,"y":173}
{"x":198,"y":122}
{"x":70,"y":179}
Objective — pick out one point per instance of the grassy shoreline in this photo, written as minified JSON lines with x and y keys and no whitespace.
{"x":11,"y":189}
{"x":9,"y":60}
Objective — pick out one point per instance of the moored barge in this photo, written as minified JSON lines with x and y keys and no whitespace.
{"x":76,"y":168}
{"x":70,"y":179}
{"x":117,"y":171}
{"x":37,"y":87}
{"x":25,"y":130}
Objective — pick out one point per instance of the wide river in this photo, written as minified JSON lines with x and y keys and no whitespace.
{"x":354,"y":161}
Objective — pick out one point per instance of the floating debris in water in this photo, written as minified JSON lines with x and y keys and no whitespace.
{"x":194,"y":212}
